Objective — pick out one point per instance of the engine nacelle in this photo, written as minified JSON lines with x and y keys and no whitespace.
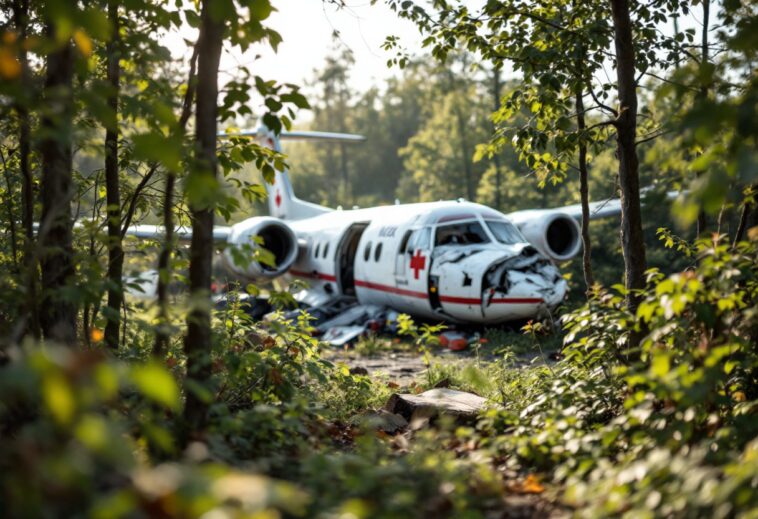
{"x":554,"y":234}
{"x":277,"y":238}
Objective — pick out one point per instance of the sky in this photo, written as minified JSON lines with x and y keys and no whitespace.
{"x":306,"y":27}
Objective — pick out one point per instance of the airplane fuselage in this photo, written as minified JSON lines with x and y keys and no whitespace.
{"x":440,"y":260}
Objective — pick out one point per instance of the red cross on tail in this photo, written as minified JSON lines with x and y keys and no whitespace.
{"x":418,"y":263}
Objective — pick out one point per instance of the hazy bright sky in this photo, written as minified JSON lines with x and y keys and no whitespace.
{"x":306,"y":27}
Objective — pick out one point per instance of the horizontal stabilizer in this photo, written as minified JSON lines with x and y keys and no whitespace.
{"x":296,"y":136}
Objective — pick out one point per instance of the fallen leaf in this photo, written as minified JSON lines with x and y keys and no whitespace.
{"x":532,"y":485}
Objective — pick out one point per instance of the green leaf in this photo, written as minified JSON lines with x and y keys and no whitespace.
{"x":157,"y":384}
{"x":661,"y":365}
{"x":260,"y":9}
{"x":59,"y":398}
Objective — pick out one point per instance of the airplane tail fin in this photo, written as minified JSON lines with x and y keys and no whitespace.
{"x":282,"y":202}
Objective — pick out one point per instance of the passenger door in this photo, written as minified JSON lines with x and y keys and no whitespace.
{"x":412,"y":266}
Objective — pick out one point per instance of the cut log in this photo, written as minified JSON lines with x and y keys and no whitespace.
{"x":429,"y":404}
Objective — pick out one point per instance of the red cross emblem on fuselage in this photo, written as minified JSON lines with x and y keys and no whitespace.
{"x":418,"y":263}
{"x":278,"y":199}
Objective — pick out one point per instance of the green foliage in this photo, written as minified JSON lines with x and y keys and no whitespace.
{"x":666,"y":431}
{"x":426,"y":482}
{"x":423,"y":335}
{"x":75,"y":426}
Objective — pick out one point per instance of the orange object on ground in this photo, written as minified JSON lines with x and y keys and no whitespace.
{"x":454,"y":341}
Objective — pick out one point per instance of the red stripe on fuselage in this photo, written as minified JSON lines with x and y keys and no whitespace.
{"x":420,"y":295}
{"x":313,"y":275}
{"x":391,"y":290}
{"x":446,"y":299}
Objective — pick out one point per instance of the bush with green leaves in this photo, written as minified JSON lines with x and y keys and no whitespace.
{"x":669,"y":429}
{"x":79,"y":430}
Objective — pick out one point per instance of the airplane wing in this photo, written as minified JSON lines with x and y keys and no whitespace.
{"x":601,"y":209}
{"x":220,"y":233}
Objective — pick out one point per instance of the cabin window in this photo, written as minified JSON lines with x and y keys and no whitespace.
{"x":326,"y":250}
{"x":378,"y":251}
{"x":506,"y":232}
{"x":367,"y":252}
{"x":318,"y":248}
{"x":469,"y":233}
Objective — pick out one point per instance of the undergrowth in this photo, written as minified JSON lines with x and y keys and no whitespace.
{"x":664,"y":430}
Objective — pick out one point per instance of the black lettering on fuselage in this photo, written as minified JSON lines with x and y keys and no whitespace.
{"x":387,"y":232}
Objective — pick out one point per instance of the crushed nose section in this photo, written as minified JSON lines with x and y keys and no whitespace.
{"x":522,"y":281}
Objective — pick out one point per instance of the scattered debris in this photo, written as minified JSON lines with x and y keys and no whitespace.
{"x":351,"y":316}
{"x":429,"y":404}
{"x":254,"y":306}
{"x":342,"y":335}
{"x":454,"y":341}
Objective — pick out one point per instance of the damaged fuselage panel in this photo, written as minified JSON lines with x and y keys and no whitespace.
{"x":516,"y":284}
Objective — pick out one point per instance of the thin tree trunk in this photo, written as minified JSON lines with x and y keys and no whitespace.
{"x":496,"y":157}
{"x":702,"y":221}
{"x":112,"y":188}
{"x":20,"y":18}
{"x":589,"y":279}
{"x":744,"y":216}
{"x":162,"y":333}
{"x":347,"y":188}
{"x":9,"y":209}
{"x":57,"y":313}
{"x":465,"y":155}
{"x":632,"y":240}
{"x":197,"y":344}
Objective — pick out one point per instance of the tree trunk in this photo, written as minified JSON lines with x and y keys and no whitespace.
{"x":701,"y":217}
{"x":589,"y":279}
{"x":20,"y":17}
{"x":9,"y":209}
{"x":197,"y":343}
{"x":496,"y":157}
{"x":632,"y":241}
{"x":112,"y":188}
{"x":162,"y":333}
{"x":465,"y":154}
{"x":744,"y":217}
{"x":57,"y":313}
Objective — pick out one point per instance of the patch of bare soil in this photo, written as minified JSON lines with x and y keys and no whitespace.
{"x":401,"y":367}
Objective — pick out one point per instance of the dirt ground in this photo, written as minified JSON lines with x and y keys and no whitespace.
{"x":403,"y":363}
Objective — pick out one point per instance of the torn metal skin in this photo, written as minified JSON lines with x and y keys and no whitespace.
{"x":517,"y":277}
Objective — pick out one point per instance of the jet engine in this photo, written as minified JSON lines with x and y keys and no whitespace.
{"x":554,"y":234}
{"x":275,"y":237}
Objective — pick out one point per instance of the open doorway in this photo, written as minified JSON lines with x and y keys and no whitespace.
{"x":346,"y":256}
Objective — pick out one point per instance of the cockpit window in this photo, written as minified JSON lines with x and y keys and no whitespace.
{"x":418,"y":240}
{"x":505,"y":232}
{"x":469,"y":233}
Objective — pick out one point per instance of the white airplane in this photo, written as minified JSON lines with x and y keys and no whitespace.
{"x":453,"y":261}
